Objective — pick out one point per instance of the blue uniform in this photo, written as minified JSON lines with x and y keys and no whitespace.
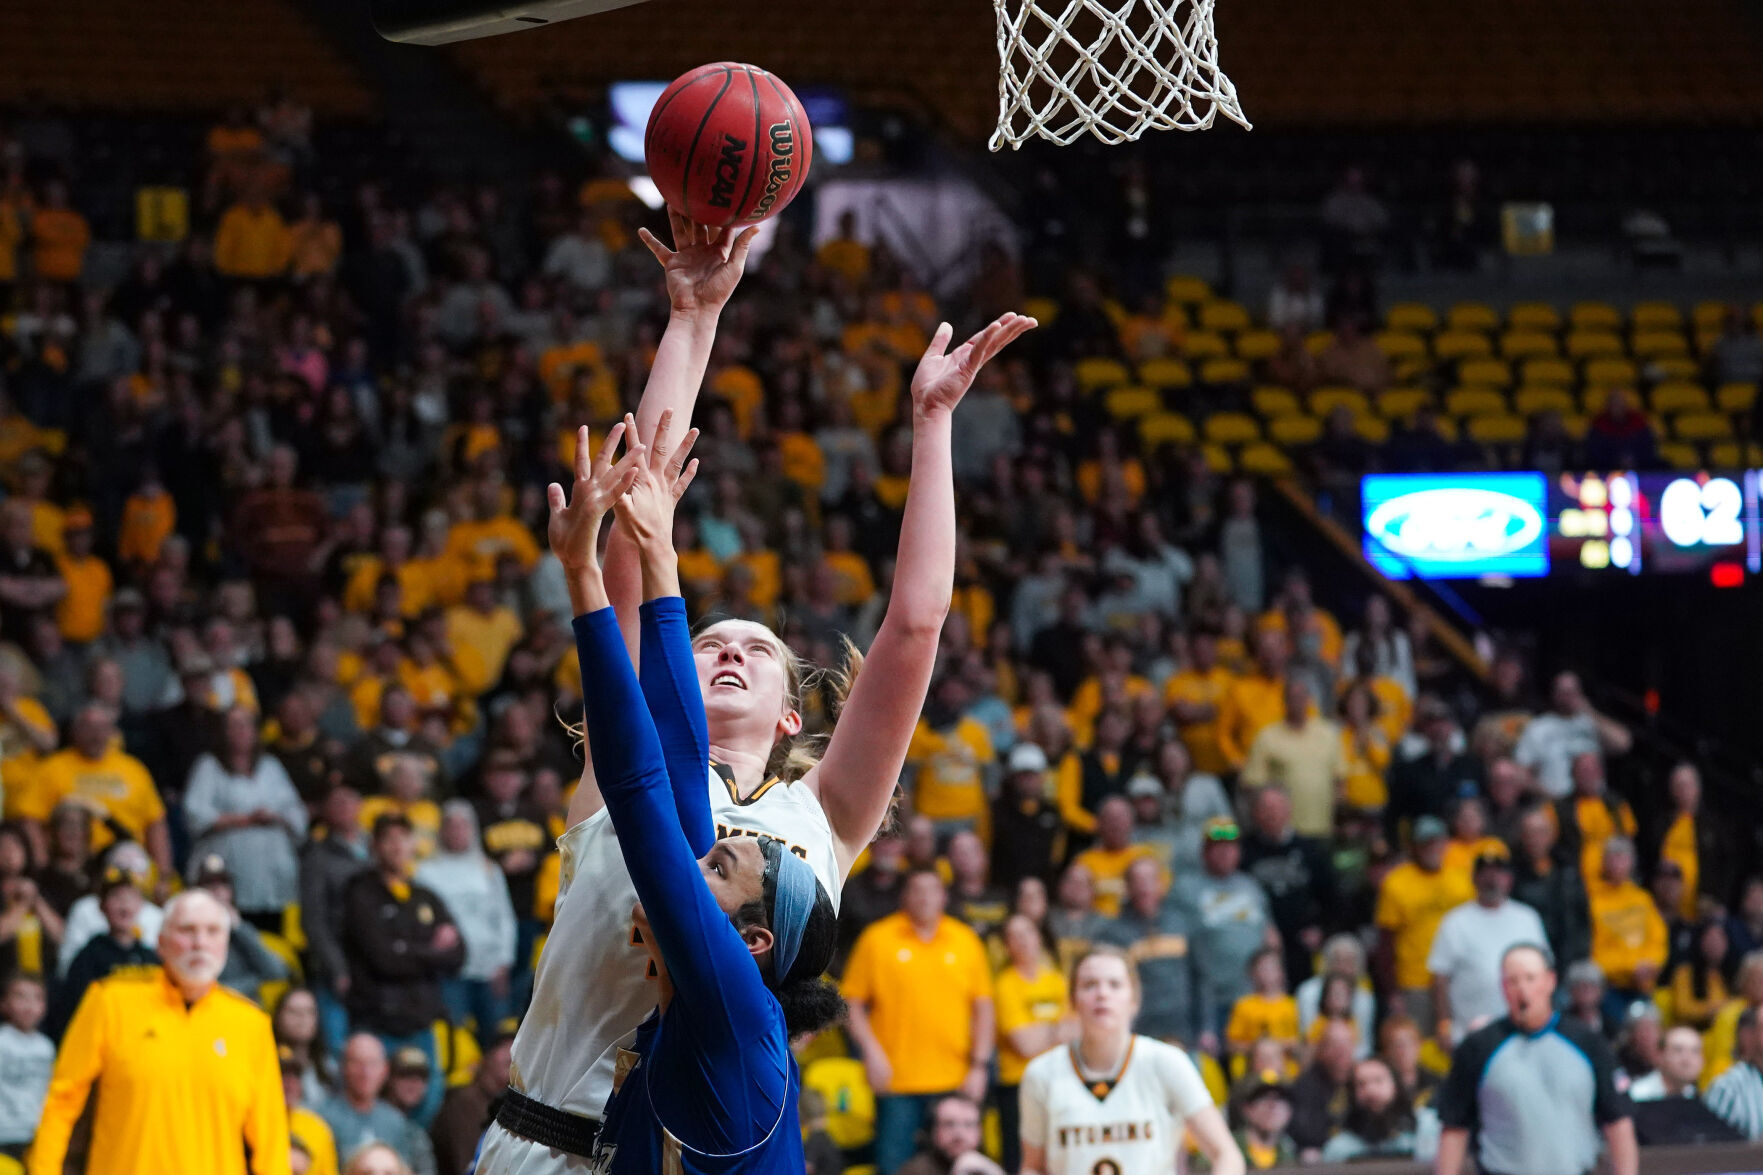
{"x":711,"y":1086}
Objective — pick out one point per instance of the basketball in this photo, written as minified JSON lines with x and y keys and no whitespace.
{"x":728,"y":144}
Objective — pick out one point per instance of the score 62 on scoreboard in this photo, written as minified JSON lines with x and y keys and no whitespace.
{"x":1522,"y":525}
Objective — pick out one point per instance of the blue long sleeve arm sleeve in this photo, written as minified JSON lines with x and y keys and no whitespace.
{"x":669,"y":678}
{"x":717,"y":987}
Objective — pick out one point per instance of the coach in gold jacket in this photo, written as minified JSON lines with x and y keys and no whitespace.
{"x":186,"y":1070}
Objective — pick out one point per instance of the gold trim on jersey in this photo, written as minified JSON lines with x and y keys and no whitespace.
{"x":1100,"y":1089}
{"x":727,"y":774}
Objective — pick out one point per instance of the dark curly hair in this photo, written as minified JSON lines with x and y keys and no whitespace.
{"x":810,"y":1001}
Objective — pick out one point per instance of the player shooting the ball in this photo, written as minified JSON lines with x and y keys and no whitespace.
{"x":761,"y":775}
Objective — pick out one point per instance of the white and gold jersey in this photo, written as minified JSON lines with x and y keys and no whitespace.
{"x":1132,"y":1125}
{"x":594,"y":984}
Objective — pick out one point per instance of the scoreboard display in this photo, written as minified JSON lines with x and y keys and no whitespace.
{"x":1471,"y":525}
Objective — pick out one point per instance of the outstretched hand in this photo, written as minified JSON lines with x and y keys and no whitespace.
{"x":943,"y":376}
{"x":704,"y":265}
{"x":647,"y":506}
{"x":575,"y":524}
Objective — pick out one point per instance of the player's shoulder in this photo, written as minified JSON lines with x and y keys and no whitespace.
{"x":1048,"y":1065}
{"x":1163,"y":1058}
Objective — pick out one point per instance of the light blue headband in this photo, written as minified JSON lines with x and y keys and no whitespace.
{"x":791,"y":905}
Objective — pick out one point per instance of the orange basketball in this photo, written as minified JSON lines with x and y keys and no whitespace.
{"x":728,"y":144}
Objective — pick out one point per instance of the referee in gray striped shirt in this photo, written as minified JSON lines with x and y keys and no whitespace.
{"x":1533,"y":1092}
{"x":1737,"y":1094}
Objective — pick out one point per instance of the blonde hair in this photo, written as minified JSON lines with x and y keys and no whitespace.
{"x":357,"y":1161}
{"x":1106,"y":950}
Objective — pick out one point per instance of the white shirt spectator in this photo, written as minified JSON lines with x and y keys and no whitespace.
{"x":261,"y":857}
{"x":1467,"y":951}
{"x":1550,"y":743}
{"x":26,"y":1060}
{"x":1300,"y":308}
{"x":581,"y":261}
{"x":476,"y":893}
{"x":1651,"y":1088}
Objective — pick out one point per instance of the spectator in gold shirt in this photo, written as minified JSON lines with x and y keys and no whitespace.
{"x":1628,"y":935}
{"x":1254,"y":701}
{"x":81,"y":612}
{"x":252,"y":241}
{"x":59,"y":236}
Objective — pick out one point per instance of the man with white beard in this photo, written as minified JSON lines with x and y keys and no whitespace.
{"x":186,"y":1070}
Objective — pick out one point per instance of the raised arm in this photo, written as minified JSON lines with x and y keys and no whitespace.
{"x":669,"y":676}
{"x":702,"y":272}
{"x":868,"y":746}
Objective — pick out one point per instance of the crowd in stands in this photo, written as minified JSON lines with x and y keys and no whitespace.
{"x":276,"y":622}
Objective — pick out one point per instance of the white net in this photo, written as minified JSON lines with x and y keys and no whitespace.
{"x":1114,"y":70}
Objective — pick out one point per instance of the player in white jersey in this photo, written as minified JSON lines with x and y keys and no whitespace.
{"x":591,"y":989}
{"x":1110,"y":1102}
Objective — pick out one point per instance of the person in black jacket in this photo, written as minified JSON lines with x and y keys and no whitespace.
{"x":1028,"y":834}
{"x":120,"y":947}
{"x":1298,"y":875}
{"x":1551,"y":885}
{"x":1431,"y":782}
{"x":400,"y":941}
{"x":333,"y":856}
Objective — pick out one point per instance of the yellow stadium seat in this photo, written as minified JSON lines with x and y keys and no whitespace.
{"x":1318,"y":341}
{"x":1475,"y":401}
{"x":1416,"y":316}
{"x":1326,"y":400}
{"x":1674,"y":396}
{"x":1131,"y":403}
{"x":1528,"y":401}
{"x":1042,"y":310}
{"x":1681,"y":456}
{"x":1607,"y":371}
{"x":1493,"y":373}
{"x":1582,"y":344}
{"x":1648,"y":344}
{"x":1591,"y":401}
{"x":843,"y":1086}
{"x":1294,"y":431}
{"x":1702,"y":426}
{"x":1401,"y":344}
{"x":1705,"y":340}
{"x":1203,"y":344}
{"x":1231,"y":428}
{"x":1272,"y":402}
{"x":1165,"y":373}
{"x":1217,"y":458}
{"x":1372,"y":428}
{"x":1496,"y":430}
{"x":1733,"y":455}
{"x":1736,"y":397}
{"x":1264,"y":460}
{"x":1256,"y":345}
{"x":1461,"y":344}
{"x":1115,"y":311}
{"x":1600,"y":316}
{"x":1224,"y":371}
{"x":1186,"y":291}
{"x":293,"y":928}
{"x":1576,"y":425}
{"x":1401,"y":403}
{"x":1472,"y":316}
{"x":1100,"y":373}
{"x":1224,"y":316}
{"x":1161,"y":428}
{"x":1533,"y":316}
{"x":1656,"y":316}
{"x":1523,"y":344}
{"x":1674,"y":367}
{"x":1709,"y":315}
{"x":1544,"y":370}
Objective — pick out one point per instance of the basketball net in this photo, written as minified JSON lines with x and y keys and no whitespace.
{"x":1112,"y":69}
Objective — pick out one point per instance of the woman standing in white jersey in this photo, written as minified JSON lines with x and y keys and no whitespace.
{"x":592,"y":989}
{"x":1111,"y":1103}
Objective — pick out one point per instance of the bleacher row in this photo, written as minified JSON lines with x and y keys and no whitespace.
{"x":1486,"y":375}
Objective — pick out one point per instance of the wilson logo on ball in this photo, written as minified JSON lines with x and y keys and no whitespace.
{"x":728,"y":170}
{"x":783,"y":149}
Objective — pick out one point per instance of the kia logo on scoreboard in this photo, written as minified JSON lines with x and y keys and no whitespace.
{"x":1458,"y":526}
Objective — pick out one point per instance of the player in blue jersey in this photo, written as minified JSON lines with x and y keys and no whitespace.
{"x":740,"y":935}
